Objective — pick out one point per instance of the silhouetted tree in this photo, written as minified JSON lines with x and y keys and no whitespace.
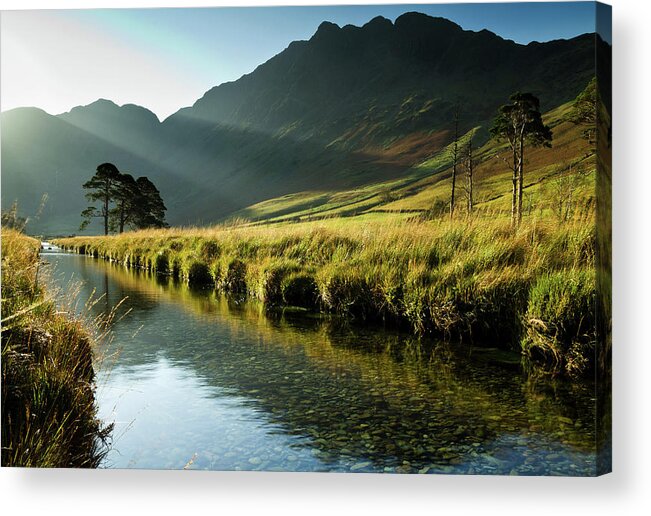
{"x":103,"y":187}
{"x":520,"y":123}
{"x":150,"y":212}
{"x":126,"y":199}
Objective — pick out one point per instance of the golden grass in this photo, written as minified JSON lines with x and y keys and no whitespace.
{"x":469,"y":278}
{"x":48,"y":407}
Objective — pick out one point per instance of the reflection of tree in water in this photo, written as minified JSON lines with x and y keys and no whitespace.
{"x":102,"y":278}
{"x":357,"y":394}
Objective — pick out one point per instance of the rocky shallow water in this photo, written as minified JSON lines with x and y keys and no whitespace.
{"x":199,"y":381}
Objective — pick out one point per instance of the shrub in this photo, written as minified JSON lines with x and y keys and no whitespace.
{"x":272,"y":278}
{"x":176,"y":268}
{"x":210,"y":250}
{"x":390,"y":293}
{"x":344,"y":290}
{"x":416,"y":298}
{"x":500,"y":299}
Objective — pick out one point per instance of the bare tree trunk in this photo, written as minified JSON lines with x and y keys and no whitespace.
{"x":470,"y":180}
{"x":122,"y":217}
{"x":514,"y":179}
{"x":454,"y":180}
{"x":455,"y":152}
{"x":106,"y":211}
{"x":520,"y":178}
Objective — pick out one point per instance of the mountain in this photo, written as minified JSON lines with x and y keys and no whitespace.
{"x":129,"y":126}
{"x":393,"y":79}
{"x":351,"y":106}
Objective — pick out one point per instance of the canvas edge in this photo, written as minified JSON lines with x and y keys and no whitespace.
{"x":603,"y":369}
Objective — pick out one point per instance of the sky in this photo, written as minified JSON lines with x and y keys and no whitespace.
{"x":165,"y":59}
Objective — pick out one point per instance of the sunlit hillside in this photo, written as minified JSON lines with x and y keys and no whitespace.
{"x":557,"y":179}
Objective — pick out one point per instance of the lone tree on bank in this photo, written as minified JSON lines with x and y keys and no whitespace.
{"x":520,"y":123}
{"x":125,"y":201}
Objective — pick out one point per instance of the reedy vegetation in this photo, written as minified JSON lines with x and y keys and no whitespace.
{"x":48,"y":405}
{"x":476,"y":280}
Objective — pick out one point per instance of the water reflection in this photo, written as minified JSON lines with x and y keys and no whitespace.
{"x":204,"y":381}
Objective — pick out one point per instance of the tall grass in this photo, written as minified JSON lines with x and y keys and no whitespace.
{"x":48,"y":406}
{"x":476,"y":279}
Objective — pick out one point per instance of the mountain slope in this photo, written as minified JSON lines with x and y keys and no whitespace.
{"x":425,"y":190}
{"x":129,"y":127}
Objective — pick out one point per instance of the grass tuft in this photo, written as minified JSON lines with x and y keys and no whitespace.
{"x":48,"y":405}
{"x":560,"y":321}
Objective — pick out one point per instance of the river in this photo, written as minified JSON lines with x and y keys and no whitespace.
{"x":196,"y":380}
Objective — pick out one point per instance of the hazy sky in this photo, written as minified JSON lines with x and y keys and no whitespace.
{"x":165,"y":59}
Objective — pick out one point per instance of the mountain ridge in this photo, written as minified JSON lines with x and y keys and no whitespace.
{"x":377,"y":20}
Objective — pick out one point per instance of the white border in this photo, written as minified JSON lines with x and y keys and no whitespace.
{"x":626,"y":491}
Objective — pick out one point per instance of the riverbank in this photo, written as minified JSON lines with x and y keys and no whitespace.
{"x":474,"y":280}
{"x":48,"y":405}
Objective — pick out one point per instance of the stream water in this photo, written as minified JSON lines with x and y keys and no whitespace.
{"x":194,"y":379}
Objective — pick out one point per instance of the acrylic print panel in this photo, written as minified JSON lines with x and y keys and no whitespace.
{"x":365,"y":239}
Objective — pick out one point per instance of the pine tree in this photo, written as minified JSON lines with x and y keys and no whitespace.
{"x":151,"y":208}
{"x":520,"y":123}
{"x":126,"y":203}
{"x":103,"y":187}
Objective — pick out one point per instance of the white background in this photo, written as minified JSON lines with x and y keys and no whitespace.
{"x":627,"y":491}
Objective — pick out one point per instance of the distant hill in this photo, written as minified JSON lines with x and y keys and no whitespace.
{"x":352,"y":106}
